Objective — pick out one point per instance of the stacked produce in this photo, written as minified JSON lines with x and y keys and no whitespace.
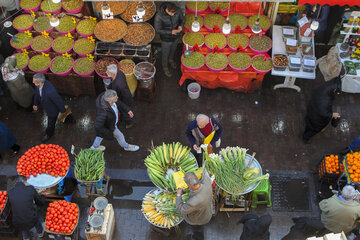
{"x":195,"y":60}
{"x":192,"y":39}
{"x":41,"y":43}
{"x":84,"y":46}
{"x":199,"y":6}
{"x":23,"y":41}
{"x":215,"y":39}
{"x":42,"y":24}
{"x":216,"y":61}
{"x":239,"y":60}
{"x":21,"y":60}
{"x":61,"y":64}
{"x":260,"y":43}
{"x":39,"y":63}
{"x":84,"y":66}
{"x":229,"y":169}
{"x":131,"y":10}
{"x":44,"y":158}
{"x":169,"y":157}
{"x":110,"y":30}
{"x":3,"y":199}
{"x":160,"y":209}
{"x":237,"y":19}
{"x":353,"y":165}
{"x":116,"y":7}
{"x":62,"y":217}
{"x":139,"y":34}
{"x":86,"y":27}
{"x":236,"y":39}
{"x":23,"y":22}
{"x":264,"y":21}
{"x":211,"y":20}
{"x":262,"y":64}
{"x":67,"y":24}
{"x":89,"y":165}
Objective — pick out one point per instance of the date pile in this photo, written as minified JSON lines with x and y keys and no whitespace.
{"x":62,"y":217}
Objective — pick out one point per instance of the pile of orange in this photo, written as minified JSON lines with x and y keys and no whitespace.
{"x":332,"y":164}
{"x":353,"y":162}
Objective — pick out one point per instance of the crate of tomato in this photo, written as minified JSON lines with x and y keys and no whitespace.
{"x":4,"y":209}
{"x":330,"y":168}
{"x":62,"y":218}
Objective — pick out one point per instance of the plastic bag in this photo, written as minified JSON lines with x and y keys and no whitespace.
{"x":330,"y":65}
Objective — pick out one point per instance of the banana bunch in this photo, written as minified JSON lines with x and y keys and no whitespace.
{"x":168,"y":156}
{"x":160,"y":209}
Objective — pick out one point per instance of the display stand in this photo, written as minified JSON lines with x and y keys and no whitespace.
{"x":96,"y":189}
{"x":106,"y":231}
{"x":290,"y":76}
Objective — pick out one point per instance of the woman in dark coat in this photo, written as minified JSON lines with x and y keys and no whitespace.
{"x":319,"y":110}
{"x":255,"y":228}
{"x":8,"y":140}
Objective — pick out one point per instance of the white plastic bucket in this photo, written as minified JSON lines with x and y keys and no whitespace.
{"x":194,"y":90}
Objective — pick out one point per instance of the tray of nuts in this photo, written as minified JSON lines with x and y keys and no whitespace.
{"x":280,"y":62}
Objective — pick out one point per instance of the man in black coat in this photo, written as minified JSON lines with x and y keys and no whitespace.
{"x":169,"y":22}
{"x":119,"y":85}
{"x":319,"y":110}
{"x":46,"y":94}
{"x":305,"y":227}
{"x":107,"y":117}
{"x":24,"y":211}
{"x":255,"y":228}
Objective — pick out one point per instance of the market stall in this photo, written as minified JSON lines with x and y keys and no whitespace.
{"x":212,"y":18}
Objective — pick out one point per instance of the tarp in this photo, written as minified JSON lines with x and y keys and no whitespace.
{"x":331,"y":2}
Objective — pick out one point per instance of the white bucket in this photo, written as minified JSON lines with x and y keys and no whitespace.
{"x":194,"y":90}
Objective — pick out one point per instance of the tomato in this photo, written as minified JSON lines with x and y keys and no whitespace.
{"x":61,"y":217}
{"x":3,"y":198}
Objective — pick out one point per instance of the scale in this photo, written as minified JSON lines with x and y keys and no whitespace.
{"x":96,"y":218}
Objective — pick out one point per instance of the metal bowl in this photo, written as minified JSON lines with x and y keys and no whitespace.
{"x":100,"y":203}
{"x":96,"y":220}
{"x":129,"y":29}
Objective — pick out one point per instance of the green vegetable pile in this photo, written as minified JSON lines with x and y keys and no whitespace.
{"x":259,"y":63}
{"x":62,"y":44}
{"x":39,"y":62}
{"x":214,"y":19}
{"x":195,"y":60}
{"x":22,"y":40}
{"x":29,"y":4}
{"x":61,"y":64}
{"x":84,"y":46}
{"x":239,"y":60}
{"x":23,"y":21}
{"x":72,"y":4}
{"x":190,"y":18}
{"x":230,"y":174}
{"x":236,"y":39}
{"x":86,"y":26}
{"x":215,"y":39}
{"x":237,"y":19}
{"x":221,"y":5}
{"x":84,"y":65}
{"x":40,"y":43}
{"x":200,"y":5}
{"x":260,"y":43}
{"x":89,"y":165}
{"x":264,"y":22}
{"x":191,"y":39}
{"x":66,"y":24}
{"x":216,"y":60}
{"x":49,"y":6}
{"x":21,"y":60}
{"x":42,"y":24}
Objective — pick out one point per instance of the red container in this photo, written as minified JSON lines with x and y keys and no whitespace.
{"x":83,"y":74}
{"x":260,"y":52}
{"x":41,"y":71}
{"x":25,"y":29}
{"x":26,"y":47}
{"x":35,"y":9}
{"x":24,"y":68}
{"x":222,"y":11}
{"x":64,"y":73}
{"x":102,"y":76}
{"x":63,"y":33}
{"x":213,"y":69}
{"x":75,"y":10}
{"x":256,"y":70}
{"x":189,"y":68}
{"x":194,"y":11}
{"x":52,"y":46}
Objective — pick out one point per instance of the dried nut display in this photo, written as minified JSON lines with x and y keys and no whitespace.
{"x":280,"y":60}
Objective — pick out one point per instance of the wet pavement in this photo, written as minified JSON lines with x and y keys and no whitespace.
{"x":268,"y":122}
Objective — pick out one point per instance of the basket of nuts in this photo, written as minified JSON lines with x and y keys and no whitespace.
{"x":280,"y":62}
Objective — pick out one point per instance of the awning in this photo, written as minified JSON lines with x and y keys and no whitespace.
{"x":331,"y":2}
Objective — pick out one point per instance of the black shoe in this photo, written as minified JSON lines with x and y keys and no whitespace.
{"x":130,"y":125}
{"x":13,"y":154}
{"x":345,"y":151}
{"x":45,"y":138}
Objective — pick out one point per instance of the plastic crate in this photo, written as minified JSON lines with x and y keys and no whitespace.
{"x":325,"y":174}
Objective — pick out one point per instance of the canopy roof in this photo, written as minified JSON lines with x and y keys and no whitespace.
{"x":331,"y":2}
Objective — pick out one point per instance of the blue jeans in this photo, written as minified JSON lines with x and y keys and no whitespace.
{"x":117,"y":135}
{"x":355,"y":143}
{"x":39,"y":230}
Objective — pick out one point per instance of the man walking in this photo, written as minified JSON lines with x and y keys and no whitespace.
{"x":107,"y":117}
{"x":46,"y":94}
{"x":24,"y":212}
{"x":119,"y":85}
{"x":169,"y":22}
{"x":197,"y":210}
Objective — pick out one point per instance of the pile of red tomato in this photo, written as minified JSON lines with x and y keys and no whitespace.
{"x":3,"y":197}
{"x":44,"y":158}
{"x":61,"y":217}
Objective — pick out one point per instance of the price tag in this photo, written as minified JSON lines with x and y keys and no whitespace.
{"x":295,"y":60}
{"x":91,"y":39}
{"x":90,"y":57}
{"x":72,"y":149}
{"x":288,"y":31}
{"x":196,"y":48}
{"x":303,"y":21}
{"x":309,"y":62}
{"x":216,"y":49}
{"x":136,"y":18}
{"x":239,"y":49}
{"x":291,"y":42}
{"x":216,"y":29}
{"x":92,"y":18}
{"x":237,"y":29}
{"x":73,"y":20}
{"x":25,"y":52}
{"x":307,"y":32}
{"x":218,"y":10}
{"x":69,"y":36}
{"x":66,"y":55}
{"x":45,"y":54}
{"x":28,"y":33}
{"x":45,"y":34}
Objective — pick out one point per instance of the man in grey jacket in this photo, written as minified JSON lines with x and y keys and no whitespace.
{"x":197,"y":210}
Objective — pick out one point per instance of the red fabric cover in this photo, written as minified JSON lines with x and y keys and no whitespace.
{"x":207,"y":129}
{"x":331,"y":2}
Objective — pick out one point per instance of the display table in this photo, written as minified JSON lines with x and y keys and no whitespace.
{"x":290,"y":76}
{"x":105,"y":232}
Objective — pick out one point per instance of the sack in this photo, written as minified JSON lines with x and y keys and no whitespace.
{"x":330,"y":65}
{"x":335,"y":122}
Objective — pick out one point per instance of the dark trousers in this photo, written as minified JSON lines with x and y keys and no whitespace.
{"x":39,"y":229}
{"x":197,"y":232}
{"x":15,"y":147}
{"x":309,"y":131}
{"x":198,"y":156}
{"x":50,"y":126}
{"x":168,"y":51}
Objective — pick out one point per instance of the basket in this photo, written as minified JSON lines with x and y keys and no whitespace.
{"x":64,"y":234}
{"x":23,"y":68}
{"x":83,"y":74}
{"x":82,"y":34}
{"x":88,"y":183}
{"x":68,"y":51}
{"x":44,"y":51}
{"x":191,"y":47}
{"x":234,"y":49}
{"x":35,"y":9}
{"x":324,"y":174}
{"x":40,"y":71}
{"x":239,"y":69}
{"x":48,"y":30}
{"x":75,"y":10}
{"x":259,"y":52}
{"x":4,"y":213}
{"x":55,"y":11}
{"x":25,"y":29}
{"x":213,"y":69}
{"x":194,"y":11}
{"x":256,"y":70}
{"x":17,"y":48}
{"x":190,"y":68}
{"x":82,"y":54}
{"x":64,"y":73}
{"x":102,"y":76}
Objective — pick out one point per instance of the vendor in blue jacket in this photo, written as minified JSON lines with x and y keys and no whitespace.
{"x":200,"y":128}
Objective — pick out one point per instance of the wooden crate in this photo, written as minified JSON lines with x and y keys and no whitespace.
{"x":107,"y":229}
